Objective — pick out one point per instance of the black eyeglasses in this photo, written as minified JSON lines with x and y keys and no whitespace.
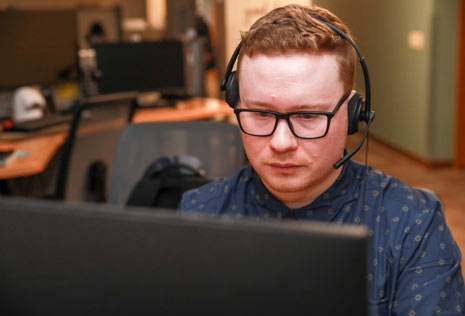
{"x":307,"y":125}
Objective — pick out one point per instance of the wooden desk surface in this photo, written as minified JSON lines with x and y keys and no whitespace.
{"x":39,"y":149}
{"x":37,"y":153}
{"x":192,"y":109}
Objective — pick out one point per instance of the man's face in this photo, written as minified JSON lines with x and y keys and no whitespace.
{"x":295,"y":170}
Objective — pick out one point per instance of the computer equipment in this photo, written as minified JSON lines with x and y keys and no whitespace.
{"x":83,"y":259}
{"x":142,"y":66}
{"x":49,"y":120}
{"x":32,"y":111}
{"x":38,"y":47}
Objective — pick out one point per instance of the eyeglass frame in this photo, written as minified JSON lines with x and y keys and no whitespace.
{"x":286,"y":116}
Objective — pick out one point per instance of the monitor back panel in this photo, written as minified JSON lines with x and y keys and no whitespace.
{"x":141,"y":66}
{"x":88,"y":259}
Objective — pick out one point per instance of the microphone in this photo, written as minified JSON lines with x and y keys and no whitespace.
{"x":343,"y":160}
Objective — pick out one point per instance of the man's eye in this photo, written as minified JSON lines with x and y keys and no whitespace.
{"x":263,"y":114}
{"x":304,"y":116}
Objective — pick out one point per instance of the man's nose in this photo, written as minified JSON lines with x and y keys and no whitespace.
{"x":283,"y":139}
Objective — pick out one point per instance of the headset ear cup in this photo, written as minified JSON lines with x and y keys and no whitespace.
{"x":353,"y":110}
{"x":232,"y":90}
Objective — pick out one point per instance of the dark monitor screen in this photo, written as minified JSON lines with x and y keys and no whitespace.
{"x":142,"y":66}
{"x":89,"y":259}
{"x":37,"y":46}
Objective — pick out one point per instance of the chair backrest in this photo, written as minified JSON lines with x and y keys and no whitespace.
{"x":92,"y":139}
{"x":217,"y":145}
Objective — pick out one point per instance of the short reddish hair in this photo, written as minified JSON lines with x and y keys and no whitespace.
{"x":298,"y":29}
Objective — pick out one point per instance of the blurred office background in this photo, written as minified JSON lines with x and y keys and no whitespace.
{"x":414,"y":49}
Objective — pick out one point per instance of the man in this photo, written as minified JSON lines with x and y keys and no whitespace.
{"x":290,"y":61}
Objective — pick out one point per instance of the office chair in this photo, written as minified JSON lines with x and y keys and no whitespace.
{"x":217,"y":145}
{"x":88,"y":151}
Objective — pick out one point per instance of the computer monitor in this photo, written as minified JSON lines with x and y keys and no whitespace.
{"x":142,"y":66}
{"x":37,"y":47}
{"x":89,"y":259}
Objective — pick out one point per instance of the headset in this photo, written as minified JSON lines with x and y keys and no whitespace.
{"x":356,"y":111}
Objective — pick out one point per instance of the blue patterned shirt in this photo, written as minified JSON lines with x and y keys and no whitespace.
{"x":414,"y":262}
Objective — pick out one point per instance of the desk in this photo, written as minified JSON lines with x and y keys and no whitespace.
{"x":41,"y":148}
{"x":192,"y":109}
{"x":38,"y":150}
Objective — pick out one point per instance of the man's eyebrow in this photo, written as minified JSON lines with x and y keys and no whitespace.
{"x":295,"y":108}
{"x":257,"y":103}
{"x":312,"y":107}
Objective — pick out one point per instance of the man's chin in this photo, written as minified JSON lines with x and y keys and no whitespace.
{"x":282,"y":185}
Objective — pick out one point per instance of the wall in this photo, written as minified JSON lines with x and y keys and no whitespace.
{"x":412,"y":90}
{"x":443,"y":79}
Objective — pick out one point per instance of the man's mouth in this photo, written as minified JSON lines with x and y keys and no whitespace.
{"x":284,"y":167}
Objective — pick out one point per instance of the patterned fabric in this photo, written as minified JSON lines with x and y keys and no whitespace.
{"x":414,"y":263}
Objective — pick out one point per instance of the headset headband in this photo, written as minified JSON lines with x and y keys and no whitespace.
{"x":366,"y":77}
{"x":230,"y":66}
{"x":365,"y":115}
